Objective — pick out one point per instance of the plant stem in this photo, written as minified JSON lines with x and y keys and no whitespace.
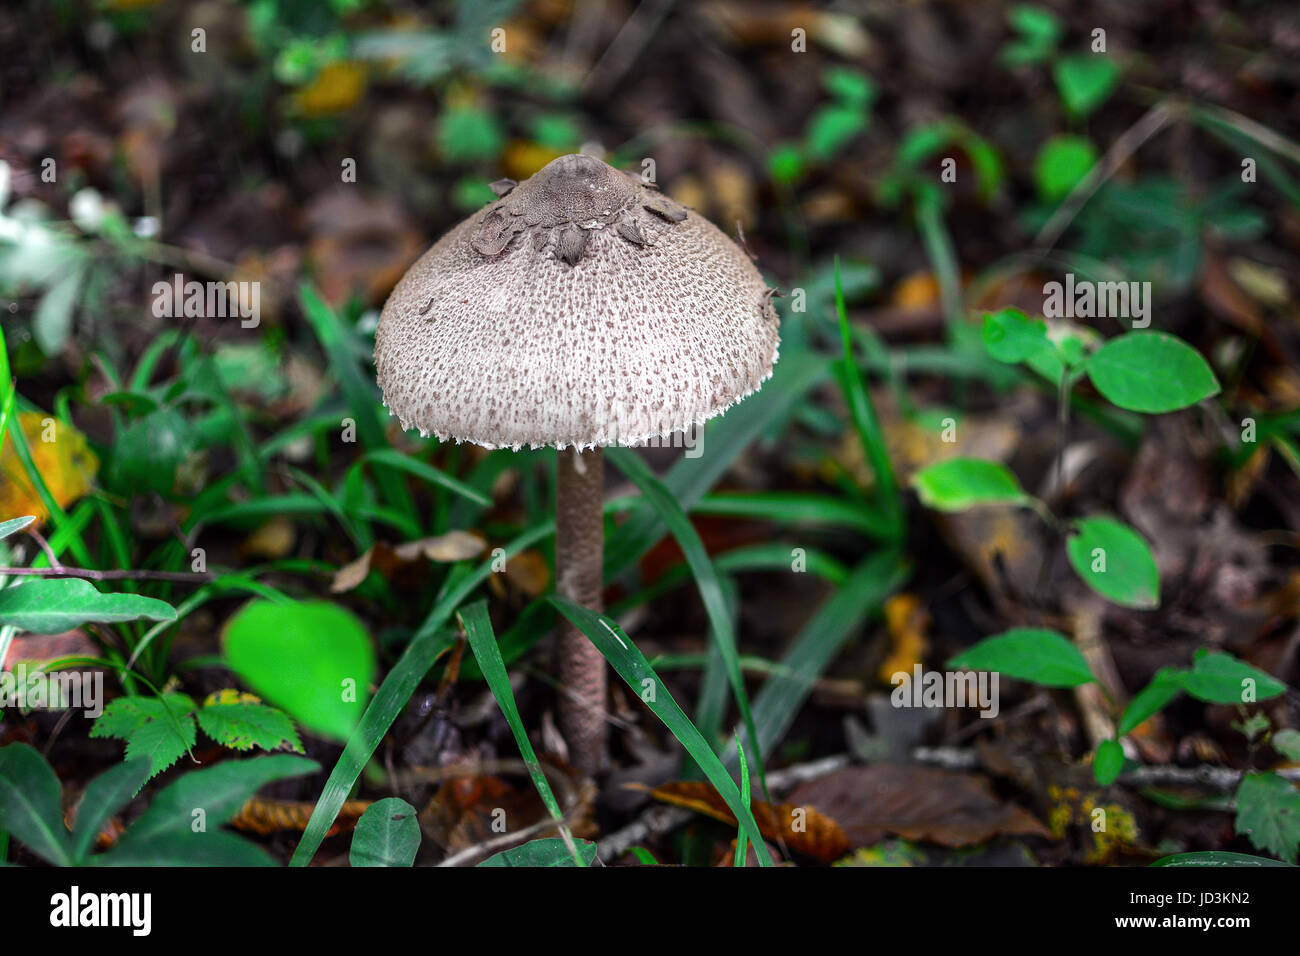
{"x":579,"y":563}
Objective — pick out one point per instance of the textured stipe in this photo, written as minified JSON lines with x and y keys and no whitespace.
{"x":581,"y":308}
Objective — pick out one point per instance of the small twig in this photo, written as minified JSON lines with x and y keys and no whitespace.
{"x":44,"y":546}
{"x":90,"y":574}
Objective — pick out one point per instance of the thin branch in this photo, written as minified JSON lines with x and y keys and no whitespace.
{"x":89,"y":574}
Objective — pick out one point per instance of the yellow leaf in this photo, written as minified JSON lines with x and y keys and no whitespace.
{"x":336,"y":89}
{"x":230,"y":696}
{"x":907,"y":622}
{"x":62,"y":458}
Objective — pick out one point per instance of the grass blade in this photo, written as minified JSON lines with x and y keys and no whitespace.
{"x":632,"y":666}
{"x":483,"y":642}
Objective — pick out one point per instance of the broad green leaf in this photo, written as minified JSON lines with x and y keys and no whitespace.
{"x":1108,"y":762}
{"x":1216,"y":858}
{"x":184,"y":848}
{"x":52,"y":323}
{"x":1220,"y":678}
{"x":1061,"y":165}
{"x":104,"y":796}
{"x":1115,"y":561}
{"x":1011,"y":336}
{"x":961,"y":483}
{"x":242,"y":722}
{"x":147,"y":452}
{"x":1031,"y":654}
{"x":314,"y":659}
{"x":219,"y":791}
{"x":388,"y":834}
{"x":1085,"y":81}
{"x":30,"y":807}
{"x":54,"y":605}
{"x":549,"y":852}
{"x":157,"y":729}
{"x":1268,"y":813}
{"x":14,"y":525}
{"x":1164,"y":687}
{"x":632,"y":666}
{"x":1151,"y":372}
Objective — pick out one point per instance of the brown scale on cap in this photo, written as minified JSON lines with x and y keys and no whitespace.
{"x":582,"y":308}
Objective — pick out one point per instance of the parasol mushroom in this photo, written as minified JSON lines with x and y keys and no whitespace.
{"x":580,"y":309}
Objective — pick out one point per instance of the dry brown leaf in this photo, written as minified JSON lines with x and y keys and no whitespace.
{"x":266,"y":815}
{"x":388,"y":560}
{"x":452,"y":546}
{"x":915,"y":803}
{"x":801,"y":827}
{"x":271,"y":541}
{"x":529,"y":572}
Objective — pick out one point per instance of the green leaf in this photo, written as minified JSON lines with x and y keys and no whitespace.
{"x":314,"y":659}
{"x":157,"y":729}
{"x":1164,"y":687}
{"x":54,"y":605}
{"x":1108,"y":762}
{"x":242,"y":722}
{"x":549,"y":852}
{"x":832,"y":127}
{"x":1085,"y":81}
{"x":147,"y":452}
{"x":1062,"y":164}
{"x":1039,"y":29}
{"x":1030,"y":654}
{"x":52,"y":323}
{"x":469,"y":133}
{"x":1216,"y":858}
{"x":1268,"y":813}
{"x":785,"y":163}
{"x":1151,"y":372}
{"x":14,"y":525}
{"x":30,"y":806}
{"x":632,"y":666}
{"x":219,"y":791}
{"x":1115,"y":561}
{"x":1219,"y":678}
{"x":214,"y":848}
{"x":1011,"y":336}
{"x":103,"y":797}
{"x":961,"y":483}
{"x":388,"y":834}
{"x":1287,"y":743}
{"x":850,"y":87}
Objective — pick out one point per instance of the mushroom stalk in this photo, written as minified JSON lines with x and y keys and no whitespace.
{"x":579,"y":576}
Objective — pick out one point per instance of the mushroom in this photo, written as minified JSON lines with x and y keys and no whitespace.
{"x":580,"y":309}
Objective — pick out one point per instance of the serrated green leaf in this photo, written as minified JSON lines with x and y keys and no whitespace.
{"x":1151,"y":372}
{"x":1115,"y":561}
{"x":1032,"y":654}
{"x":1268,"y":814}
{"x":234,"y":721}
{"x":388,"y":834}
{"x":150,"y":731}
{"x":961,"y":483}
{"x":54,"y":605}
{"x":549,"y":852}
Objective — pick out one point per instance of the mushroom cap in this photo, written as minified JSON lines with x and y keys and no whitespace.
{"x":581,"y":308}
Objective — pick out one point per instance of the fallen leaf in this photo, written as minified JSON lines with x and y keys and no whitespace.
{"x":62,"y":458}
{"x":801,"y":827}
{"x":388,"y":560}
{"x":271,"y":541}
{"x":915,"y":803}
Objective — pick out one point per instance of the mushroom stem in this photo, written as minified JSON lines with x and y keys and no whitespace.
{"x":579,"y":576}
